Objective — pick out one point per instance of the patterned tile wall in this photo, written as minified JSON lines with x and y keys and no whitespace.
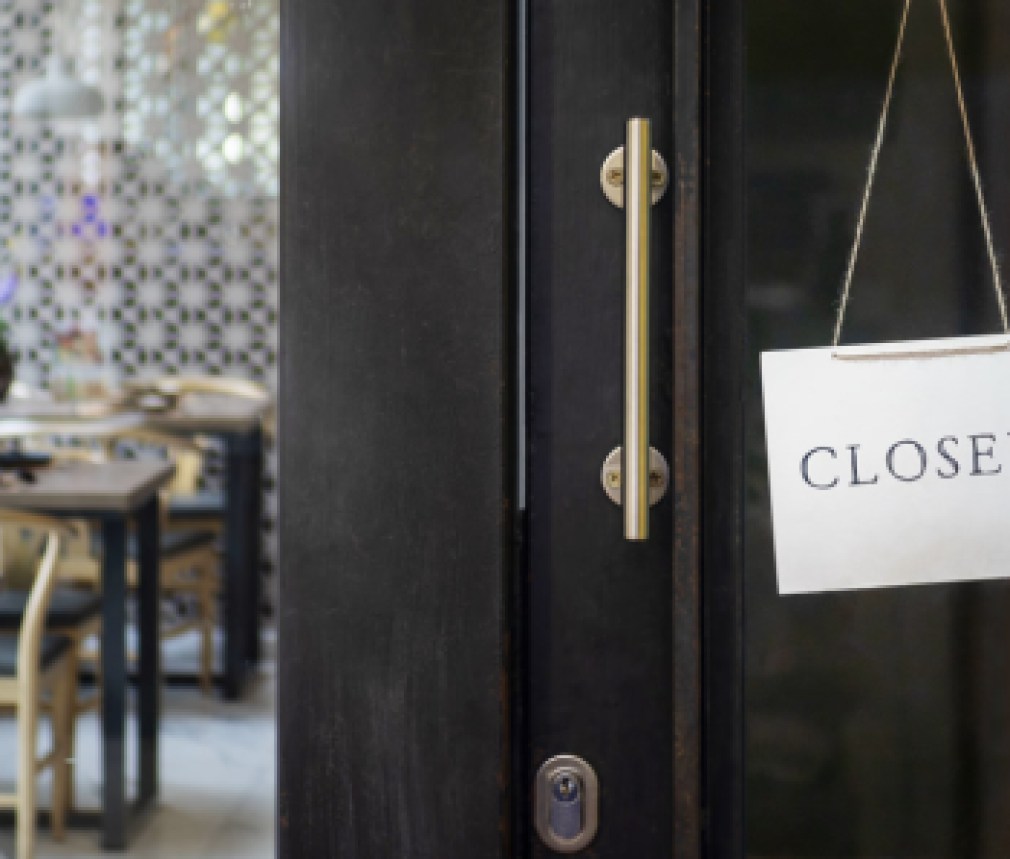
{"x":158,"y":219}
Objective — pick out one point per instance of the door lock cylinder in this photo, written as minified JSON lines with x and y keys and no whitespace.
{"x":567,"y":803}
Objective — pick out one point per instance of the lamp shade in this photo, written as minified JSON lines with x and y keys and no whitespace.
{"x":58,"y":95}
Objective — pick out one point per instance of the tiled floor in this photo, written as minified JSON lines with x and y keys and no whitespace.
{"x":217,"y":780}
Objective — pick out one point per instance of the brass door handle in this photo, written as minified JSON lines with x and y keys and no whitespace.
{"x":644,"y":177}
{"x":637,"y":210}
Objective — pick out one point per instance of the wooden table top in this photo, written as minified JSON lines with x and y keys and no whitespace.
{"x":119,"y":486}
{"x":21,"y":418}
{"x":193,"y":413}
{"x":43,"y":408}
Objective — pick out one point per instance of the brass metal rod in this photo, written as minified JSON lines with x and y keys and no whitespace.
{"x":637,"y":208}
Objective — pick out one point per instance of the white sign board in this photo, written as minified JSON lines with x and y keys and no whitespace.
{"x":889,"y":464}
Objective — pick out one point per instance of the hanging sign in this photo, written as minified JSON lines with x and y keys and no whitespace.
{"x":889,"y":464}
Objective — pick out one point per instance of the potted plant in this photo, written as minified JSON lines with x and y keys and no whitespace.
{"x":6,"y":360}
{"x":8,"y":286}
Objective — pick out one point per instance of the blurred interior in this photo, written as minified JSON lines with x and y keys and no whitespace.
{"x":138,"y":250}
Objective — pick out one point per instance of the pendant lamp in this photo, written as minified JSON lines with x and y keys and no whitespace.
{"x":59,"y":94}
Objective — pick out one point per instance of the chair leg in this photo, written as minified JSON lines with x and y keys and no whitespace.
{"x":27,"y":739}
{"x":73,"y":670}
{"x":206,"y":630}
{"x":97,"y":670}
{"x":64,"y":705}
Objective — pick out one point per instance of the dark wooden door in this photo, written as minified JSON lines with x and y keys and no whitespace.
{"x":636,"y":650}
{"x":393,"y":436}
{"x":457,"y":600}
{"x":600,"y":606}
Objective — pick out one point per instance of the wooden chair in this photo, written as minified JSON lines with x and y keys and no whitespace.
{"x":74,"y":612}
{"x":189,"y":558}
{"x":34,"y":662}
{"x":75,"y":609}
{"x":198,"y":507}
{"x":179,"y":386}
{"x":176,"y":388}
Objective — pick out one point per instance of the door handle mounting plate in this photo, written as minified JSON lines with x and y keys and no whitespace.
{"x":612,"y":177}
{"x":659,"y":476}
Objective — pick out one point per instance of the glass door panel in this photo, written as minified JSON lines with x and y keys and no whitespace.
{"x":878,"y":722}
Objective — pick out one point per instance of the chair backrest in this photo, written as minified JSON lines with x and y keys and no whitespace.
{"x":177,"y":387}
{"x":20,"y":550}
{"x":32,"y":529}
{"x":228,"y":386}
{"x":20,"y":559}
{"x":186,"y":454}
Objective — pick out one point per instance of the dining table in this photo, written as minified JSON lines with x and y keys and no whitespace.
{"x":113,"y":494}
{"x":237,"y":422}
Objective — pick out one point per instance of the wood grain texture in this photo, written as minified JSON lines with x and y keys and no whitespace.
{"x":601,"y":619}
{"x":687,"y":430}
{"x":393,"y":178}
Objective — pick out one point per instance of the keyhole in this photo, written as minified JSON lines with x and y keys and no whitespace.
{"x":566,"y":787}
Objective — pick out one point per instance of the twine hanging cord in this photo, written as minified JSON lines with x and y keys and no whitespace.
{"x":875,"y":157}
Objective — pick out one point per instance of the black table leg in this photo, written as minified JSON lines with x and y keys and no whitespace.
{"x":149,"y":667}
{"x":255,"y":514}
{"x":114,"y":683}
{"x":238,"y":486}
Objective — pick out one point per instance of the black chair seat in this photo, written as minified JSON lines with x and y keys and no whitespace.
{"x":206,"y":504}
{"x":173,"y":543}
{"x":53,"y":647}
{"x":68,"y":607}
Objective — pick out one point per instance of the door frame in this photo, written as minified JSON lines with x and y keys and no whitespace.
{"x":319,"y":153}
{"x":708,"y":465}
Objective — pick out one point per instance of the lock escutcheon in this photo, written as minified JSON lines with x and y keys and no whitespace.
{"x":566,"y":794}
